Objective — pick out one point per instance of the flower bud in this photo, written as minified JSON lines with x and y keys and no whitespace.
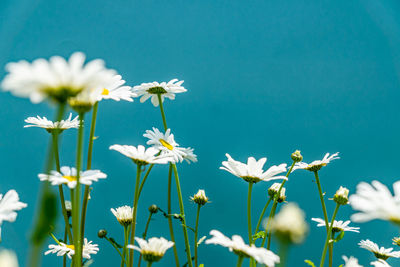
{"x":273,"y":191}
{"x":68,"y":208}
{"x":282,"y":196}
{"x":153,"y":209}
{"x":296,"y":156}
{"x":200,"y":198}
{"x":102,"y":233}
{"x":342,"y":196}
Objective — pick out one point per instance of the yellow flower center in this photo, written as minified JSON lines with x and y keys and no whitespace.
{"x":70,"y":178}
{"x":166,"y":144}
{"x":105,"y":92}
{"x":70,"y":246}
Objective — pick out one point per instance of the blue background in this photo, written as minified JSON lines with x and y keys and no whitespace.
{"x":264,"y":78}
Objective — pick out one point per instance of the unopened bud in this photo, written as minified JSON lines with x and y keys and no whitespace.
{"x":296,"y":156}
{"x":200,"y":198}
{"x":153,"y":209}
{"x":342,"y":196}
{"x":102,"y":233}
{"x":68,"y":208}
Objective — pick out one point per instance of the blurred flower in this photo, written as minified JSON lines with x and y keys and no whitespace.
{"x":351,"y":262}
{"x":237,"y":246}
{"x":141,"y":155}
{"x":375,"y":201}
{"x":338,"y":226}
{"x":151,"y":90}
{"x":8,"y":258}
{"x":62,"y":249}
{"x":317,"y":164}
{"x":9,"y":204}
{"x":68,"y":176}
{"x":380,"y":263}
{"x":124,"y":215}
{"x":289,"y":224}
{"x":116,"y":91}
{"x":153,"y":249}
{"x":57,"y":78}
{"x":380,"y":253}
{"x":253,"y":172}
{"x":200,"y":198}
{"x":49,"y":125}
{"x":165,"y":143}
{"x":85,"y":100}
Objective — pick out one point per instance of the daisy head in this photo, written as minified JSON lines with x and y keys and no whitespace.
{"x":165,"y":143}
{"x":338,"y":226}
{"x":52,"y":126}
{"x":62,"y":249}
{"x":140,"y":155}
{"x":155,"y":90}
{"x":379,"y":252}
{"x":237,"y":246}
{"x":200,"y":198}
{"x":57,"y":78}
{"x":253,"y":172}
{"x":124,"y":215}
{"x":68,"y":176}
{"x":317,"y":164}
{"x":350,"y":262}
{"x":9,"y":205}
{"x":116,"y":90}
{"x":153,"y":249}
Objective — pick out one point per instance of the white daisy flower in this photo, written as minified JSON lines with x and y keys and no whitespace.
{"x":49,"y":125}
{"x":8,"y":258}
{"x":380,"y":263}
{"x":68,"y":177}
{"x":289,"y":223}
{"x":141,"y":155}
{"x":379,"y":252}
{"x":375,"y":201}
{"x":338,"y":226}
{"x":237,"y":246}
{"x":56,"y":78}
{"x":124,"y":215}
{"x":151,"y":90}
{"x":153,"y":249}
{"x":117,"y":91}
{"x":317,"y":164}
{"x":253,"y":172}
{"x":63,"y":249}
{"x":9,"y":204}
{"x":165,"y":143}
{"x":351,"y":262}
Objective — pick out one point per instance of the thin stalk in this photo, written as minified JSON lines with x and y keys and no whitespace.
{"x":171,"y":228}
{"x":162,"y":112}
{"x":182,"y":212}
{"x":116,"y":248}
{"x":55,"y":136}
{"x":328,"y":236}
{"x":145,"y":234}
{"x":126,"y":238}
{"x":65,"y":242}
{"x":239,"y":261}
{"x":145,"y":178}
{"x":135,"y":205}
{"x":321,"y":196}
{"x":249,"y":213}
{"x":262,"y":215}
{"x":283,"y":252}
{"x":149,"y":263}
{"x":330,"y":253}
{"x":196,"y":232}
{"x":75,"y":210}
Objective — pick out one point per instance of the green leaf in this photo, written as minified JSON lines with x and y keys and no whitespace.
{"x":201,"y":265}
{"x":339,"y":237}
{"x":260,"y":234}
{"x":309,"y":263}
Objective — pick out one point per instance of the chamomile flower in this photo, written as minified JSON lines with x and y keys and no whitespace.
{"x":117,"y":91}
{"x":237,"y":246}
{"x":9,"y":204}
{"x":68,"y":176}
{"x":140,"y":155}
{"x":63,"y":249}
{"x":317,"y":164}
{"x":338,"y":226}
{"x":165,"y":143}
{"x":8,"y":258}
{"x":164,"y":89}
{"x":153,"y":249}
{"x":57,"y":78}
{"x":253,"y":172}
{"x":351,"y":262}
{"x":379,"y":252}
{"x":375,"y":201}
{"x":124,"y":215}
{"x":49,"y":125}
{"x":380,"y":263}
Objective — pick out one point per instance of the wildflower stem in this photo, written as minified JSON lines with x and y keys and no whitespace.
{"x":196,"y":233}
{"x":182,"y":211}
{"x":239,"y":261}
{"x":162,"y":112}
{"x":76,"y":203}
{"x":145,"y":178}
{"x":145,"y":234}
{"x":262,"y":215}
{"x":126,"y":238}
{"x":149,"y":263}
{"x":321,"y":196}
{"x":55,"y":135}
{"x":249,"y":213}
{"x":116,"y":248}
{"x":135,"y":205}
{"x":171,"y":227}
{"x":328,"y":236}
{"x":283,"y":252}
{"x":66,"y":242}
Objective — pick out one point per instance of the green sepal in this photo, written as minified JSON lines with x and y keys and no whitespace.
{"x":309,"y":263}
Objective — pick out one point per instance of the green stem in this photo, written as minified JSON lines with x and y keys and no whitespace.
{"x":145,"y":234}
{"x":162,"y":112}
{"x":182,"y":211}
{"x":116,"y":248}
{"x":65,"y":242}
{"x":149,"y":263}
{"x":328,"y":236}
{"x":330,"y":254}
{"x":77,"y":193}
{"x":283,"y":253}
{"x":135,"y":205}
{"x":196,"y":232}
{"x":239,"y":261}
{"x":249,"y":213}
{"x":145,"y":178}
{"x":171,"y":228}
{"x":262,"y":215}
{"x":126,"y":238}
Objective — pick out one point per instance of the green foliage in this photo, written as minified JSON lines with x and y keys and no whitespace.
{"x":339,"y":237}
{"x":309,"y":263}
{"x":258,"y":235}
